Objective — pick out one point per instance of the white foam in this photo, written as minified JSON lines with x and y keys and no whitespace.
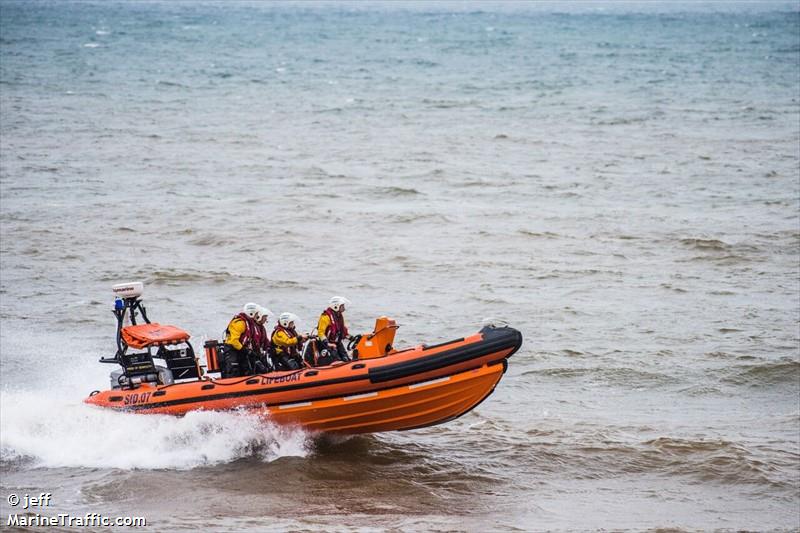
{"x":56,"y":433}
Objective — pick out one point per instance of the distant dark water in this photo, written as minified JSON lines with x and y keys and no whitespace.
{"x":621,"y":186}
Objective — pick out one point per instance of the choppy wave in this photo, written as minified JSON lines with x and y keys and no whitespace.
{"x":617,"y":377}
{"x":394,"y":192}
{"x":608,"y":452}
{"x":727,"y":355}
{"x":172,"y":277}
{"x":449,"y":104}
{"x":706,"y":244}
{"x":783,"y":372}
{"x":212,"y":240}
{"x":708,"y":460}
{"x":420,"y":218}
{"x":722,"y":252}
{"x":539,"y":235}
{"x":702,"y":390}
{"x":46,"y":431}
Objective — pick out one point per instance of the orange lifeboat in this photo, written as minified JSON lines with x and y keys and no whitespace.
{"x":382,"y":390}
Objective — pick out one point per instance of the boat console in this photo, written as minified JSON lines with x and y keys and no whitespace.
{"x":169,"y":343}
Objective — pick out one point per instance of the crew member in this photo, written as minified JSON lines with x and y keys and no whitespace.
{"x":239,"y":341}
{"x":286,"y":343}
{"x":261,"y":343}
{"x":332,"y":329}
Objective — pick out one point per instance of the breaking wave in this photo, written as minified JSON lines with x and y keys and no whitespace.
{"x":47,"y":431}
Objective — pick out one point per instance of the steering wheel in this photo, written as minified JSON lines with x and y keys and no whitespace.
{"x":353,"y":342}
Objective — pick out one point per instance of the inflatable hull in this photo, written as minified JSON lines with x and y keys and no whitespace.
{"x":408,"y":389}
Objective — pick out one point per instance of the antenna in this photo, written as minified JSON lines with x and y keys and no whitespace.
{"x":127,"y":298}
{"x":132,"y":289}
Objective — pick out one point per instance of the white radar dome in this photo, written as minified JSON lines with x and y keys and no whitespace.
{"x":128,"y":290}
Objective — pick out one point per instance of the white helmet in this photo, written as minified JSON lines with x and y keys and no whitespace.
{"x":264,"y":313}
{"x":251,"y":309}
{"x":337,"y":302}
{"x":287,"y":318}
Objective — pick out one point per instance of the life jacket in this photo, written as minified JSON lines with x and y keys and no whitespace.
{"x":263,"y":343}
{"x":291,"y":351}
{"x":251,"y":336}
{"x":336,"y":331}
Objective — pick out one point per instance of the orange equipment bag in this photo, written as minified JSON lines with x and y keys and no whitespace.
{"x":144,"y":335}
{"x":379,"y":342}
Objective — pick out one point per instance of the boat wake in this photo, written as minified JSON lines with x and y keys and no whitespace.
{"x":41,"y":430}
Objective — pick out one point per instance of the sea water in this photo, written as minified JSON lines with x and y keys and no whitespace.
{"x":619,"y":181}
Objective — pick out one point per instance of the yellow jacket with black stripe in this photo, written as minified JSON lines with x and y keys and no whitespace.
{"x":284,"y":342}
{"x":322,"y":326}
{"x":234,"y":333}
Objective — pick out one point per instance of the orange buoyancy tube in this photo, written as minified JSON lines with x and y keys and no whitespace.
{"x":408,"y":368}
